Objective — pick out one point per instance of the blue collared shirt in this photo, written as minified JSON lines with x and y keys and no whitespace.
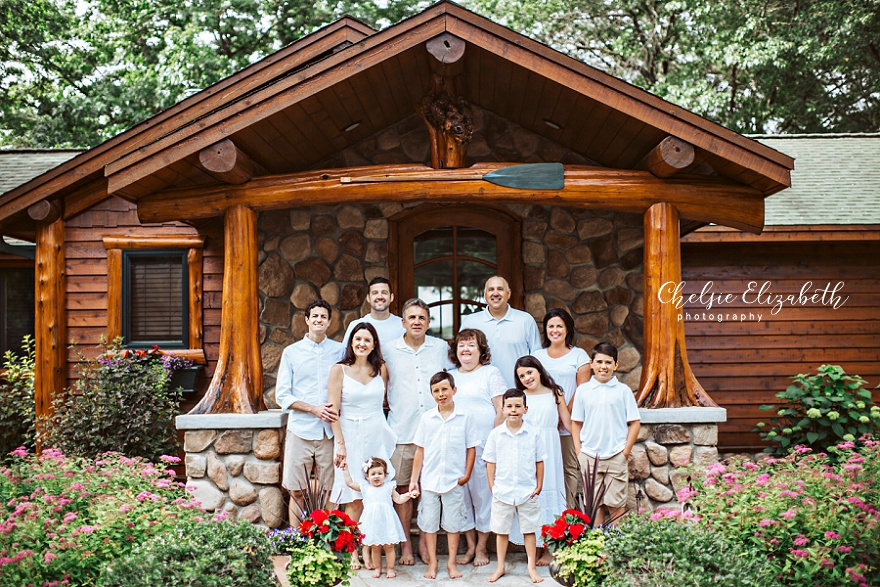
{"x":302,"y":376}
{"x":511,"y":337}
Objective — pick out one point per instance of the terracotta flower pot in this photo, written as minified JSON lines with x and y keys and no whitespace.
{"x":280,"y":563}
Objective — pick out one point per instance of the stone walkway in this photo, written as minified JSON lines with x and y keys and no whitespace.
{"x":517,"y":575}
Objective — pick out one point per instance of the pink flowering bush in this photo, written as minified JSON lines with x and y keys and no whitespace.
{"x":816,"y":517}
{"x":63,"y":519}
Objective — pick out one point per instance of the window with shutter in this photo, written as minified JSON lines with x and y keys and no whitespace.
{"x":155,"y":299}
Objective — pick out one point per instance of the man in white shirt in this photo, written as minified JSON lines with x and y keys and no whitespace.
{"x":302,"y":389}
{"x":511,"y":333}
{"x":412,"y":360}
{"x":387,"y":325}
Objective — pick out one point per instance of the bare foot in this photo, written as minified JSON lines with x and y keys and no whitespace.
{"x":454,"y":573}
{"x":377,"y":573}
{"x":481,"y":559}
{"x":390,"y":574}
{"x":535,"y":576}
{"x":431,"y":573}
{"x":545,"y":559}
{"x":423,"y":552}
{"x":407,"y":559}
{"x":499,"y":572}
{"x":368,"y":563}
{"x":465,"y":558}
{"x":355,"y":564}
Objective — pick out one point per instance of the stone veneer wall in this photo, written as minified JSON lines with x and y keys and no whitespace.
{"x":233,"y":464}
{"x":588,"y":262}
{"x":671,"y":440}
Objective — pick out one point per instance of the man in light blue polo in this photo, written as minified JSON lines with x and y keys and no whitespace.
{"x":302,"y":389}
{"x":511,"y":333}
{"x":388,"y":326}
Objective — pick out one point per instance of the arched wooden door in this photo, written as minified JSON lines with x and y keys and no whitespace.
{"x":444,"y":254}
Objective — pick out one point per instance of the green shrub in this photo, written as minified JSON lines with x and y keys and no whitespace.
{"x":123,"y":403}
{"x":197,"y":554}
{"x":665,"y":552}
{"x":313,"y":565}
{"x":17,"y":399}
{"x":821,"y":410}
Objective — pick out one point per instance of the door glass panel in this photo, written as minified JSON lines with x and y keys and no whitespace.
{"x":442,"y":320}
{"x":432,"y":244}
{"x":473,"y":242}
{"x":472,"y":278}
{"x":434,"y":282}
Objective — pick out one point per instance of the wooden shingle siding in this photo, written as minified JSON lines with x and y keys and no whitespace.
{"x":744,"y":364}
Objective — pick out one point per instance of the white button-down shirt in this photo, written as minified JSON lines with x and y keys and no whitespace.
{"x":445,"y":443}
{"x":511,"y":337}
{"x":302,"y":376}
{"x":605,"y":410}
{"x":515,"y":457}
{"x":409,"y":385}
{"x":388,"y":330}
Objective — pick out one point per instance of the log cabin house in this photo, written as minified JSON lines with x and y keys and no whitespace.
{"x":353,"y":153}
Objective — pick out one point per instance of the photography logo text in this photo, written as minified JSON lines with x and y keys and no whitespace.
{"x":759,"y":297}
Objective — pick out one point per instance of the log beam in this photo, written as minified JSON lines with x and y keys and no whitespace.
{"x":50,"y":371}
{"x":667,"y":379}
{"x":237,"y":385}
{"x":671,"y":157}
{"x":696,"y":198}
{"x":226,"y":162}
{"x":44,"y":211}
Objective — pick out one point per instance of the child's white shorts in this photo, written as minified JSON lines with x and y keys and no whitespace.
{"x":529,"y":513}
{"x":444,"y":510}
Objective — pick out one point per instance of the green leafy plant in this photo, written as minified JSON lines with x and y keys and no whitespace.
{"x":582,"y":563}
{"x":665,"y":551}
{"x":123,"y":402}
{"x":315,"y":566}
{"x":197,"y":553}
{"x":821,"y":410}
{"x":815,"y":519}
{"x":17,"y":399}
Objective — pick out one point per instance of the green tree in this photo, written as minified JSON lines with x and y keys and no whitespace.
{"x":74,"y":73}
{"x":752,"y":65}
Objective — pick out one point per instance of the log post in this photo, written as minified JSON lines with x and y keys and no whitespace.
{"x":450,"y":127}
{"x":667,"y":379}
{"x":237,"y":385}
{"x":50,"y":372}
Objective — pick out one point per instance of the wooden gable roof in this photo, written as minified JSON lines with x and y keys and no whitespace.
{"x":345,"y":83}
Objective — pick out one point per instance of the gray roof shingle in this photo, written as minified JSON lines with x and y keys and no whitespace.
{"x":19,"y":166}
{"x":836,"y":180}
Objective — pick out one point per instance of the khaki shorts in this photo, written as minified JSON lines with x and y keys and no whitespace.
{"x":571,"y":470}
{"x":402,"y":461}
{"x":614,"y":472}
{"x":443,"y":510}
{"x":299,"y":454}
{"x":529,"y":514}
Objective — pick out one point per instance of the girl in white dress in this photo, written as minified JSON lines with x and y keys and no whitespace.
{"x":547,"y":411}
{"x":379,"y":522}
{"x":356,"y":388}
{"x":479,"y":387}
{"x":569,"y":366}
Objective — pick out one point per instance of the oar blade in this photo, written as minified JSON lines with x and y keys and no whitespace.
{"x":529,"y":176}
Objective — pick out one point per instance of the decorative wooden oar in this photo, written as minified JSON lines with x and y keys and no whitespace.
{"x":529,"y":176}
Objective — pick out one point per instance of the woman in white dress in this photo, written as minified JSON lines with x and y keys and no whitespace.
{"x":479,"y":388}
{"x":356,"y":388}
{"x":569,"y":366}
{"x":547,"y":411}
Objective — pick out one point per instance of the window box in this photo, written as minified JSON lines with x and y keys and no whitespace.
{"x":185,"y":378}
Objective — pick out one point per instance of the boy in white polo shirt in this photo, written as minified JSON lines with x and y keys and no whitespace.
{"x":446,"y":443}
{"x":514,"y":456}
{"x":605,"y":421}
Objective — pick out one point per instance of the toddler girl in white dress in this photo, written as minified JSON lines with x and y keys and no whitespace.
{"x":379,"y":522}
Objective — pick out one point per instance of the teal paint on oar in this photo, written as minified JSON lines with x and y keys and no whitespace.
{"x":530,"y":176}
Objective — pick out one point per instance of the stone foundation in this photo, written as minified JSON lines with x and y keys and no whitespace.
{"x":234,"y":464}
{"x":669,"y":440}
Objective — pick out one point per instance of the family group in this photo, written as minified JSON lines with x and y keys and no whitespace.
{"x":490,"y":431}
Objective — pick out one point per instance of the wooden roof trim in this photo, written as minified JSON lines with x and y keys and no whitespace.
{"x":637,"y":103}
{"x":92,"y":161}
{"x":269,"y":100}
{"x":792,"y":233}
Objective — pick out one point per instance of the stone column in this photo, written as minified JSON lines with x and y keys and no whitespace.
{"x":669,"y":440}
{"x":234,"y":464}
